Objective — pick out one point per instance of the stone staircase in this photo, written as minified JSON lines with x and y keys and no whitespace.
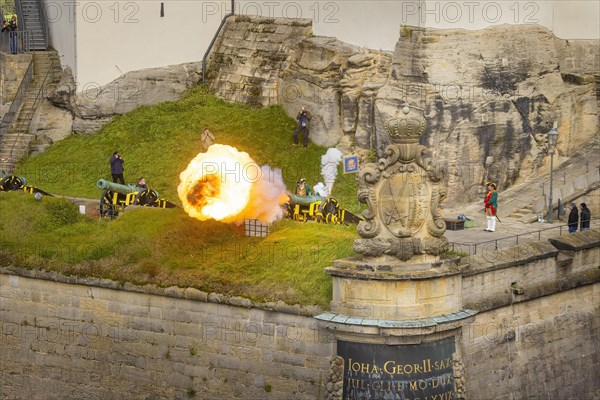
{"x":17,"y":142}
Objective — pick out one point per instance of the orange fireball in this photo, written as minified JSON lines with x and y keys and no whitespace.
{"x":227,"y":185}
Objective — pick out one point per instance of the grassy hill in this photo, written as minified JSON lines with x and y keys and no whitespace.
{"x":158,"y":142}
{"x":166,"y":247}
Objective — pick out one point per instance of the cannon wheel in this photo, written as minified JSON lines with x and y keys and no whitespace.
{"x":146,"y":198}
{"x":330,"y":210}
{"x":107,"y":209}
{"x":11,"y":182}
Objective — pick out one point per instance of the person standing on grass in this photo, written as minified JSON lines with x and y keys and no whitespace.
{"x":116,"y":168}
{"x":491,"y":206}
{"x":573,"y":218}
{"x":303,"y":123}
{"x":207,"y":139}
{"x":586,"y":216}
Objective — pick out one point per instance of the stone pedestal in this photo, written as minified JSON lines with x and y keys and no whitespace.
{"x":392,"y":291}
{"x":397,"y":309}
{"x":397,"y":326}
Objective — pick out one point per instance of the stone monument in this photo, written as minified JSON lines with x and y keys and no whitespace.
{"x":396,"y":309}
{"x":403,"y":192}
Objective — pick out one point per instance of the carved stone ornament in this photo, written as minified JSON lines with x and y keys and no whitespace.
{"x":403,"y":192}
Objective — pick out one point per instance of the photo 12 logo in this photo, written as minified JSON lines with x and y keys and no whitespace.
{"x":317,"y":11}
{"x":470,"y":12}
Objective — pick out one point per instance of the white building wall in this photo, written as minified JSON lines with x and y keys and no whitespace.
{"x":114,"y":37}
{"x":61,"y":17}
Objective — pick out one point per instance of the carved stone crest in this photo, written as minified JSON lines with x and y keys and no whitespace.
{"x":403,"y":192}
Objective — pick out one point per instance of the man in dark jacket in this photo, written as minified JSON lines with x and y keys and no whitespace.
{"x":586,"y":216}
{"x":303,"y":124}
{"x":116,"y":168}
{"x":573,"y":218}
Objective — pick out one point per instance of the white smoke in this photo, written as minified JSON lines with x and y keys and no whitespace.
{"x":321,"y":189}
{"x":329,"y":163}
{"x":265,"y":196}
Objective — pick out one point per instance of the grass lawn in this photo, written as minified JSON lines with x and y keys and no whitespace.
{"x":167,"y":247}
{"x":158,"y":142}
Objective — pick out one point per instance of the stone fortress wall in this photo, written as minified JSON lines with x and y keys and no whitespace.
{"x":66,"y":337}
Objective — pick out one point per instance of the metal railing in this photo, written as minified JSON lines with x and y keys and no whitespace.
{"x":15,"y":42}
{"x":12,"y":112}
{"x":36,"y":102}
{"x":472,"y":248}
{"x":214,"y":39}
{"x":44,"y":22}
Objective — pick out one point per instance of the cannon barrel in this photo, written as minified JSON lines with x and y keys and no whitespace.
{"x":304,"y":200}
{"x":116,"y":187}
{"x":123,"y":189}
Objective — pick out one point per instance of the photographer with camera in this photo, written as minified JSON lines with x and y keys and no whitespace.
{"x":303,"y":118}
{"x":116,"y":168}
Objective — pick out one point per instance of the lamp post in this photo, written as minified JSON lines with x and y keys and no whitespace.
{"x":552,"y":139}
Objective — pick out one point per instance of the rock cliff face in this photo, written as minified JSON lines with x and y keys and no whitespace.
{"x":96,"y":106}
{"x":249,"y":55}
{"x":489,"y":96}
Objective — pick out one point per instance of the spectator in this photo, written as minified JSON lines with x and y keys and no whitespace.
{"x":302,"y":188}
{"x":207,"y":139}
{"x":12,"y":35}
{"x":303,"y":124}
{"x":142,"y":184}
{"x":573,"y":218}
{"x":116,"y":168}
{"x":586,"y":217}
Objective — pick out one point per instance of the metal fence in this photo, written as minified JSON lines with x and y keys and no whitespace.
{"x":479,"y":248}
{"x":16,"y":42}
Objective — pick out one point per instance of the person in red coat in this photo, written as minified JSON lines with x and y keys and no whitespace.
{"x":491,"y":206}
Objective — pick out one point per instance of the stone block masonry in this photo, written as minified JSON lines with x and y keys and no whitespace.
{"x":87,"y":338}
{"x":63,"y":340}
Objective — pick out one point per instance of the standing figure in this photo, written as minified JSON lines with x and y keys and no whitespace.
{"x":302,"y":188}
{"x":491,"y":206}
{"x":116,"y":168}
{"x":586,"y":217}
{"x":573,"y":219}
{"x":12,"y":35}
{"x":141,"y":185}
{"x":303,"y":119}
{"x":207,"y":139}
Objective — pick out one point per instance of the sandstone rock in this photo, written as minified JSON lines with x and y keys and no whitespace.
{"x":145,"y":87}
{"x":88,"y":126}
{"x":486,"y":94}
{"x":489,"y":96}
{"x":330,"y":76}
{"x":51,"y":124}
{"x":95,"y":107}
{"x":65,"y":92}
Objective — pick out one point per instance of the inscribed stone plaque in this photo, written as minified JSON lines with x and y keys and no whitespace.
{"x":408,"y":372}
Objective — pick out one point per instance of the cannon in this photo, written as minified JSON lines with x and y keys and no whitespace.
{"x":116,"y":197}
{"x":9,"y":183}
{"x":319,"y":209}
